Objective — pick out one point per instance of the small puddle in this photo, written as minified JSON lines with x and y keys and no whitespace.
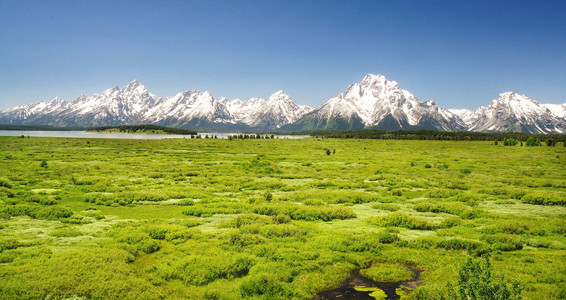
{"x":356,"y":280}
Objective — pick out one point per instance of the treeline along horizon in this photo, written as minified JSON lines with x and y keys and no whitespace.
{"x":424,"y":134}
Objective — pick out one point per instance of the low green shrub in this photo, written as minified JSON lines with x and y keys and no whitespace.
{"x":453,"y":208}
{"x":385,"y":206}
{"x":210,"y":209}
{"x":450,"y":222}
{"x":387,"y":272}
{"x":202,"y":270}
{"x":503,"y":242}
{"x":5,"y":183}
{"x":398,"y":219}
{"x":66,"y":232}
{"x":37,"y":212}
{"x":472,"y":214}
{"x":281,"y":230}
{"x":8,"y":243}
{"x":244,"y":219}
{"x":240,"y":240}
{"x":307,"y":213}
{"x":441,"y":193}
{"x":148,"y":246}
{"x":6,"y":192}
{"x":545,"y":199}
{"x":263,"y":285}
{"x":461,"y":244}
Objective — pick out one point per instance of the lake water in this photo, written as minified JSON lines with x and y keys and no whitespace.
{"x":348,"y":289}
{"x":99,"y":135}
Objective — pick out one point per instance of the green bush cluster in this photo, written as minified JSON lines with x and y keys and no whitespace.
{"x":5,"y":183}
{"x":37,"y":212}
{"x":509,"y":142}
{"x":504,"y":242}
{"x":366,"y":243}
{"x":386,"y":206}
{"x":332,"y":196}
{"x":434,"y":242}
{"x":261,"y":165}
{"x":398,"y":219}
{"x":266,"y":286}
{"x":210,"y":209}
{"x":441,"y":207}
{"x":8,"y":244}
{"x":146,"y":237}
{"x":387,"y":272}
{"x":201,"y":270}
{"x":307,"y":213}
{"x":545,"y":199}
{"x":441,"y":193}
{"x":129,"y":197}
{"x":66,"y":232}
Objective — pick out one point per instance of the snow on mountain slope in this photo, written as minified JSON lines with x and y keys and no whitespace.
{"x":517,"y":113}
{"x":379,"y":103}
{"x":243,"y":111}
{"x":464,"y":114}
{"x":114,"y":106}
{"x":19,"y":114}
{"x":189,"y":107}
{"x":557,"y":109}
{"x":271,"y":113}
{"x":279,"y":109}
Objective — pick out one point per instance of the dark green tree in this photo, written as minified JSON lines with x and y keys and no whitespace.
{"x":476,"y":282}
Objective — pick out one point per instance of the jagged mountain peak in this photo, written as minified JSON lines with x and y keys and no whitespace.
{"x":57,"y":100}
{"x":373,"y":80}
{"x":134,"y":85}
{"x":374,"y":90}
{"x":515,"y":112}
{"x":380,"y":103}
{"x":279,"y":93}
{"x":279,"y":96}
{"x":509,"y":97}
{"x":111,"y":91}
{"x":517,"y":104}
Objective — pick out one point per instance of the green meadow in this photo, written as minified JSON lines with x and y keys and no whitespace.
{"x":275,"y":218}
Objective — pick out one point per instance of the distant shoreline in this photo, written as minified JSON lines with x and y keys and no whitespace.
{"x":142,"y":129}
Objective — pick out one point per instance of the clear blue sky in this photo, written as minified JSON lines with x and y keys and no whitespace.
{"x":461,"y":54}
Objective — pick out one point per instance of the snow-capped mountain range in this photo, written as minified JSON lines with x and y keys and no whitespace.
{"x":375,"y":102}
{"x":133,"y":104}
{"x":516,"y":113}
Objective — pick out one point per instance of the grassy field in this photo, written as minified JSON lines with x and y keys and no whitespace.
{"x":220,"y":219}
